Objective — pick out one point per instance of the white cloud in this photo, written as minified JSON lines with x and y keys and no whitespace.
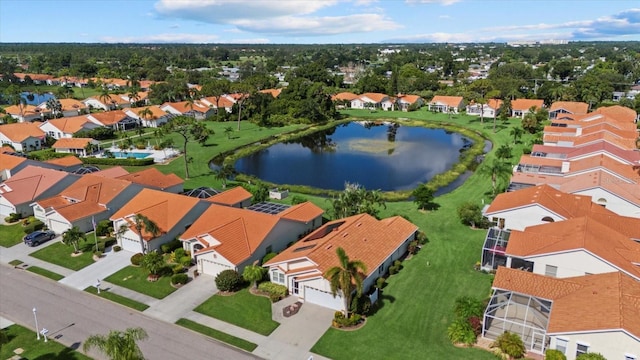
{"x":311,"y":26}
{"x":441,"y":2}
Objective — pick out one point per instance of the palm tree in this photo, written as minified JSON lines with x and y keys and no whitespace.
{"x":140,"y":223}
{"x":118,"y":345}
{"x":346,"y":277}
{"x":496,"y":169}
{"x":228,"y":130}
{"x":223,"y":173}
{"x":145,"y":113}
{"x":106,"y":98}
{"x":253,"y":273}
{"x":72,"y":237}
{"x":516,"y":132}
{"x":153,"y":262}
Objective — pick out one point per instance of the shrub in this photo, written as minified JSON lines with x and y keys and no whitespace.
{"x":185,"y":261}
{"x":297,"y":199}
{"x":460,"y":331}
{"x":339,"y":320}
{"x":229,"y":280}
{"x":268,"y":257}
{"x":476,"y":324}
{"x":116,"y":162}
{"x":103,"y":227}
{"x":117,"y":248}
{"x":171,"y":246}
{"x":380,"y":282}
{"x":97,"y":253}
{"x":393,"y":270}
{"x":136,"y":259}
{"x":510,"y":344}
{"x":276,"y":292}
{"x":413,"y":247}
{"x":179,"y":279}
{"x":590,"y":356}
{"x":109,"y":241}
{"x":177,"y":269}
{"x":33,"y":226}
{"x":13,"y":217}
{"x":360,"y":305}
{"x":553,"y":354}
{"x":466,"y":307}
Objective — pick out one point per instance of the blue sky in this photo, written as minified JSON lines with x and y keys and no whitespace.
{"x":316,"y":21}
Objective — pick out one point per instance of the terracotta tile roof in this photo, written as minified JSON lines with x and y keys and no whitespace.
{"x":363,"y":237}
{"x":71,"y":104}
{"x":114,"y":99}
{"x":494,"y":103}
{"x":526,"y":104}
{"x":108,"y":118}
{"x":453,"y":101}
{"x":88,"y":196}
{"x":6,"y":149}
{"x":304,"y":212}
{"x":72,"y":143}
{"x":538,"y":160}
{"x":213,"y":101}
{"x":69,"y":125}
{"x":606,"y":163}
{"x":153,"y":177}
{"x":29,"y":183}
{"x":65,"y":161}
{"x":615,"y":295}
{"x":156,"y":112}
{"x":112,"y":172}
{"x":410,"y":99}
{"x":618,"y":112}
{"x":601,"y":179}
{"x":164,"y":208}
{"x":10,"y":161}
{"x":239,"y":231}
{"x":565,"y":205}
{"x":274,"y":92}
{"x":573,"y":107}
{"x":347,"y":96}
{"x":36,"y":77}
{"x":26,"y":110}
{"x":184,"y":107}
{"x":578,"y":141}
{"x":231,"y":197}
{"x":376,"y":97}
{"x":19,"y":132}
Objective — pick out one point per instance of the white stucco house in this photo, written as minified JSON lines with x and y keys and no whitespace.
{"x":23,"y":137}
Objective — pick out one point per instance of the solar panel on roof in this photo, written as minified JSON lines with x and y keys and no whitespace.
{"x":269,"y":208}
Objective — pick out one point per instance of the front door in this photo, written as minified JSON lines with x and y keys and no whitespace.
{"x":295,"y":286}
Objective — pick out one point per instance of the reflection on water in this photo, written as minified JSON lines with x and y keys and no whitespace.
{"x":385,"y":157}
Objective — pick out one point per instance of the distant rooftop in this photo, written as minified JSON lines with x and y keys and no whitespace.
{"x":269,"y":207}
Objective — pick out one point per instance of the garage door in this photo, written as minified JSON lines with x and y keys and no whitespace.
{"x":212,"y":268}
{"x":322,"y":298}
{"x":58,"y":227}
{"x":5,"y":210}
{"x":132,"y":245}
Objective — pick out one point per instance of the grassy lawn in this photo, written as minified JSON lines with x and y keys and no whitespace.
{"x":242,"y":309}
{"x":417,"y":303}
{"x":135,"y":278}
{"x":23,"y":338}
{"x":44,"y":272}
{"x":11,"y":235}
{"x":60,"y":254}
{"x":117,"y":299}
{"x":218,"y":335}
{"x":15,"y":262}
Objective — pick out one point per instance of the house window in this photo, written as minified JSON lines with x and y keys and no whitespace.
{"x":277,"y":277}
{"x":582,"y":349}
{"x":551,"y":270}
{"x":561,"y":345}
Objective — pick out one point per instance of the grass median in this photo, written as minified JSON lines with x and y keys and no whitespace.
{"x":46,"y":273}
{"x":117,"y":298}
{"x":218,"y":335}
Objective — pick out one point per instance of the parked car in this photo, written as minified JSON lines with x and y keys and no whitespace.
{"x":38,"y":237}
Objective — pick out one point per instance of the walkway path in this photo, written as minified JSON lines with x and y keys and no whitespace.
{"x":110,"y":263}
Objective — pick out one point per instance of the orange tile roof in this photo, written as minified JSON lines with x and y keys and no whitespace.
{"x":72,"y":143}
{"x":601,"y":179}
{"x":411,"y":99}
{"x":348,"y":96}
{"x":65,"y":161}
{"x":526,"y":104}
{"x":114,"y":99}
{"x":274,"y":92}
{"x":108,"y":118}
{"x":363,"y":237}
{"x":618,"y":112}
{"x":231,"y":197}
{"x":453,"y":101}
{"x":239,"y":231}
{"x":164,"y":208}
{"x":70,"y":125}
{"x":494,"y":103}
{"x":573,"y":107}
{"x":156,"y":112}
{"x":71,"y":104}
{"x":222,"y":102}
{"x":18,"y":132}
{"x":606,"y":163}
{"x":10,"y":161}
{"x":565,"y":205}
{"x":6,"y":149}
{"x":376,"y":97}
{"x":29,"y":183}
{"x":577,"y":141}
{"x":184,"y":107}
{"x":26,"y":110}
{"x":305,"y":212}
{"x":538,"y":160}
{"x":112,"y":172}
{"x":154,"y":178}
{"x":615,"y":295}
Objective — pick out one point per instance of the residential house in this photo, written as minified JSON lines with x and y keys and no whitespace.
{"x":115,"y":119}
{"x":591,"y":313}
{"x":89,"y":200}
{"x":153,"y":178}
{"x":377,"y":243}
{"x":30,"y":184}
{"x":38,"y":79}
{"x":69,"y":107}
{"x":78,"y":146}
{"x":629,"y":157}
{"x":172,"y":213}
{"x":69,"y":163}
{"x":196,"y":109}
{"x":567,"y":107}
{"x":108,"y":103}
{"x":619,"y":113}
{"x":23,"y":137}
{"x":406,"y":102}
{"x":343,"y":100}
{"x":149,"y":116}
{"x":521,"y":107}
{"x":237,"y":197}
{"x":66,"y":127}
{"x":10,"y":164}
{"x":231,"y":238}
{"x":488,"y":110}
{"x":273,"y":92}
{"x":219,"y":102}
{"x":446,"y":104}
{"x":372,"y":101}
{"x":26,"y":113}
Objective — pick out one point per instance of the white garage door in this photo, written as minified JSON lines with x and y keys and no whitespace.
{"x":132,"y":245}
{"x":322,"y":298}
{"x":5,"y":210}
{"x":212,"y":268}
{"x":58,"y":227}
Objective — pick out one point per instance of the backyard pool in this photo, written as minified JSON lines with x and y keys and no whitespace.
{"x":124,"y":155}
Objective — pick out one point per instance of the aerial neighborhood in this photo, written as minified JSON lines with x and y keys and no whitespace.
{"x":162,"y":182}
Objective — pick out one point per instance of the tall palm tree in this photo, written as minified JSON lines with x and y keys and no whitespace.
{"x":223,"y":173}
{"x":516,"y":132}
{"x":140,"y":223}
{"x":118,"y":345}
{"x":497,"y":170}
{"x":72,"y":237}
{"x":145,"y":113}
{"x":106,"y":98}
{"x":346,"y":278}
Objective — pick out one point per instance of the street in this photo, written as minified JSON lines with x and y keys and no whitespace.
{"x":71,"y":316}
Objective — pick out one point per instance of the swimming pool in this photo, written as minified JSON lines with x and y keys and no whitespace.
{"x":124,"y":155}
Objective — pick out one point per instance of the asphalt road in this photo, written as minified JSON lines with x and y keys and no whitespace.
{"x":71,"y":316}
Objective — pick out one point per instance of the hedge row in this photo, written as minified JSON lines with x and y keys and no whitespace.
{"x":122,"y":162}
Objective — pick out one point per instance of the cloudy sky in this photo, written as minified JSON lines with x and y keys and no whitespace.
{"x":316,"y":21}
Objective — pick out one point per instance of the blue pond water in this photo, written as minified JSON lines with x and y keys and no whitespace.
{"x":36,"y":99}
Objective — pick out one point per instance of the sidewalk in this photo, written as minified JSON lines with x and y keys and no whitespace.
{"x":21,"y":252}
{"x":110,"y":263}
{"x":182,"y":301}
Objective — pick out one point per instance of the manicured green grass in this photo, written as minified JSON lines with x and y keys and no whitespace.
{"x":60,"y":254}
{"x":218,"y":335}
{"x":417,"y":303}
{"x":15,"y":262}
{"x":135,"y":278}
{"x":242,"y":309}
{"x":23,"y":338}
{"x":118,"y":299}
{"x":44,"y":272}
{"x":11,"y":235}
